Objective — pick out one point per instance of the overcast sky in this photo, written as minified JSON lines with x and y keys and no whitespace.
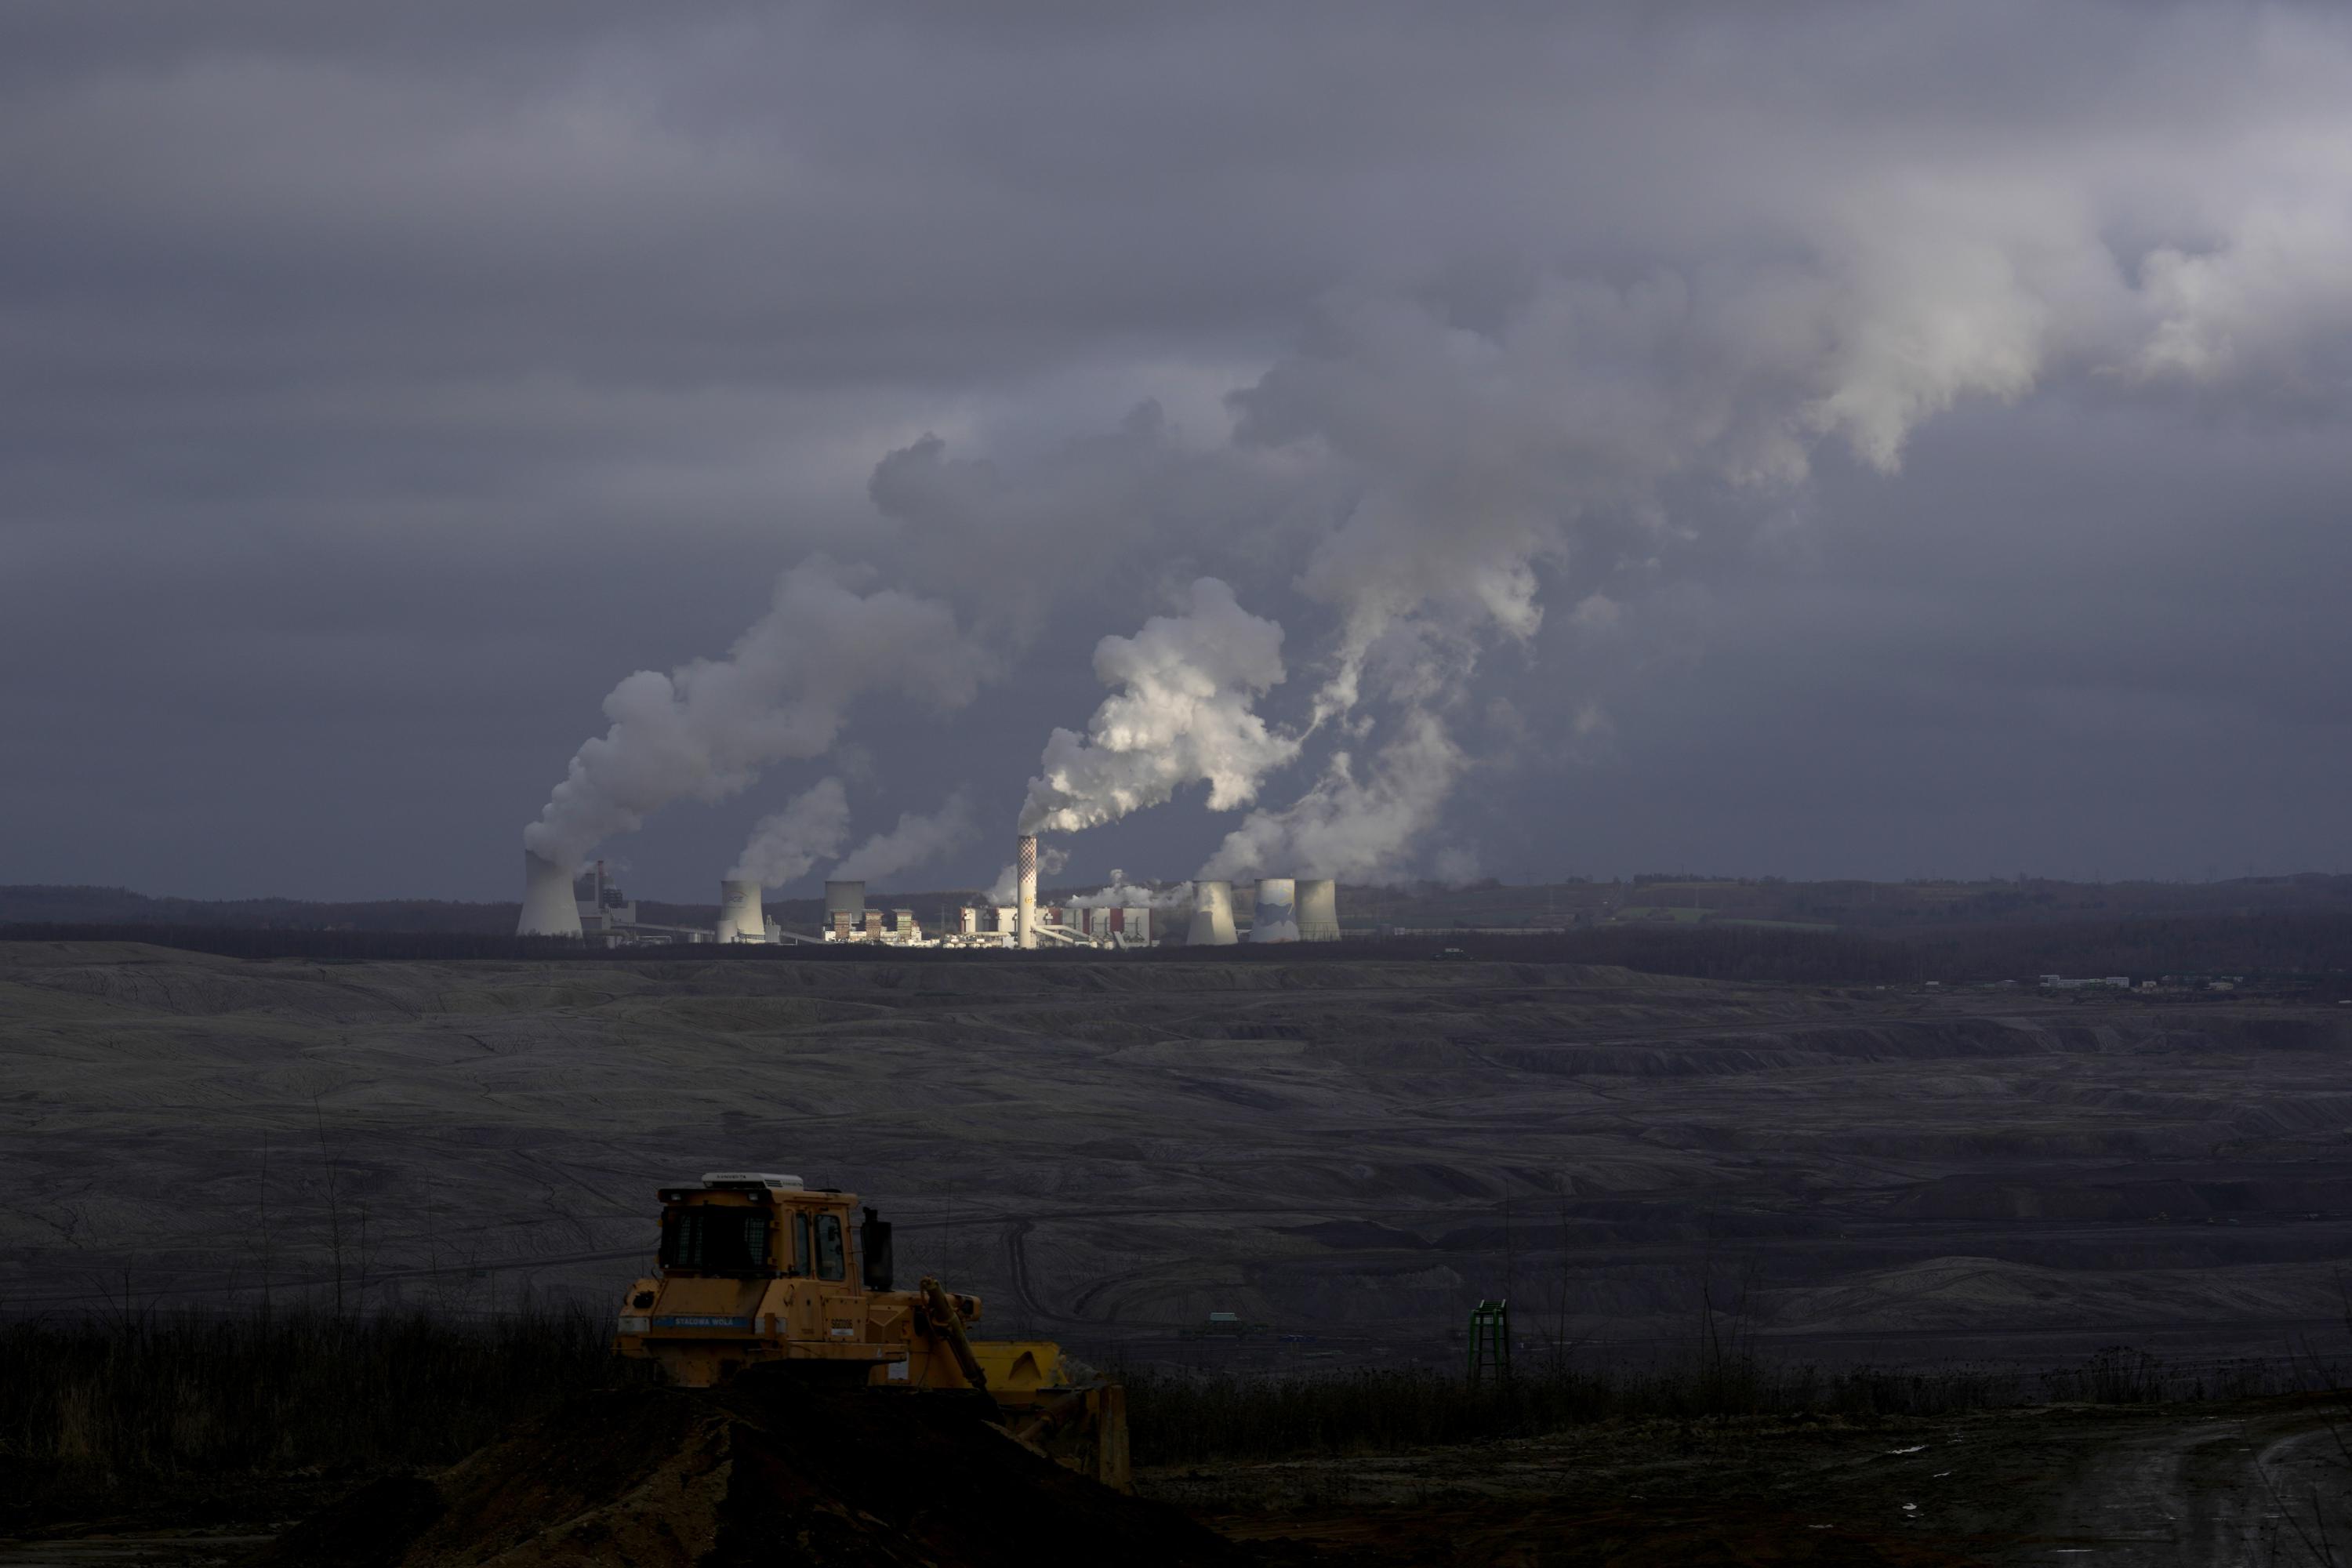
{"x":1815,"y":440}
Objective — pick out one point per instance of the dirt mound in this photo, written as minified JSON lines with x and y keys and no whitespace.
{"x":1500,"y":1534}
{"x":762,"y":1472}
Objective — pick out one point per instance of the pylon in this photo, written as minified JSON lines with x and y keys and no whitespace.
{"x":1490,"y":1344}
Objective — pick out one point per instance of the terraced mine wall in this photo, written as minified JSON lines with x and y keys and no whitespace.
{"x":1341,"y":1156}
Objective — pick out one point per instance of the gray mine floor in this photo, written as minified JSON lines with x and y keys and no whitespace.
{"x":1345,"y":1153}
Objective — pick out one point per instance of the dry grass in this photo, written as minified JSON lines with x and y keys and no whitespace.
{"x":126,"y":1414}
{"x":104,"y":1416}
{"x":1181,"y":1419}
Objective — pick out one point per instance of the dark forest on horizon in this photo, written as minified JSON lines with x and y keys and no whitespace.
{"x":2303,"y":955}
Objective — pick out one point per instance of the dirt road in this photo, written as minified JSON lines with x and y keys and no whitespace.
{"x":2257,"y":1482}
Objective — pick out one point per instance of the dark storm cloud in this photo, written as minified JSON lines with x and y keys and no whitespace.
{"x":381,"y":386}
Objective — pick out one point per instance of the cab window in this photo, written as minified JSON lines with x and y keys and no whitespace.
{"x":712,"y":1240}
{"x":801,"y":1246}
{"x":831,"y":1262}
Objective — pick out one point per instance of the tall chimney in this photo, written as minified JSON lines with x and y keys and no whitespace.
{"x":1025,"y":902}
{"x":739,"y":909}
{"x":548,"y":908}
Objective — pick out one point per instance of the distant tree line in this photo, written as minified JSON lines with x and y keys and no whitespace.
{"x":2314,"y":947}
{"x":2309,"y":946}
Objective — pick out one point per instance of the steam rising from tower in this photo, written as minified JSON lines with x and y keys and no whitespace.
{"x":709,"y":728}
{"x":1182,"y":713}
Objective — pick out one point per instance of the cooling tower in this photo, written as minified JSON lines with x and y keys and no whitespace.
{"x":1276,"y":916}
{"x":739,"y":906}
{"x":547,"y":905}
{"x":1213,"y":915}
{"x":1025,"y":899}
{"x":726,"y":931}
{"x":845,"y":899}
{"x":1319,"y":909}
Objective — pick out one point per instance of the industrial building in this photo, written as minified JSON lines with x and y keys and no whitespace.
{"x":593,"y":907}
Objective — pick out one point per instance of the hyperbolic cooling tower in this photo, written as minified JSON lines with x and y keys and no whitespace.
{"x":1319,"y":909}
{"x":1025,"y":899}
{"x":1213,"y":915}
{"x":842,"y":898}
{"x":741,"y":918}
{"x":547,"y":905}
{"x":1276,"y":916}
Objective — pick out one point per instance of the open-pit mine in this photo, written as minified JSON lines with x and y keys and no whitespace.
{"x":1203,"y":1163}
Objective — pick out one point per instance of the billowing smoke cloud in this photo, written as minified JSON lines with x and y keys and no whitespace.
{"x":1184,"y":713}
{"x":1447,"y":447}
{"x":706,"y":730}
{"x":1102,"y":508}
{"x":1480,"y":460}
{"x":1119,"y":893}
{"x":913,"y":841}
{"x":1050,"y":859}
{"x":1356,"y":825}
{"x":810,"y":828}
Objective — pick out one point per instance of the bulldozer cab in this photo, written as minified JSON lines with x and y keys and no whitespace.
{"x":756,"y":1270}
{"x":746,"y":1227}
{"x":756,"y":1267}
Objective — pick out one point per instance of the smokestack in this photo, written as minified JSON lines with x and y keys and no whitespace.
{"x":1276,"y":916}
{"x":845,"y":899}
{"x":1025,"y":918}
{"x":1213,"y":915}
{"x":1319,"y":909}
{"x":739,"y":909}
{"x":547,"y":909}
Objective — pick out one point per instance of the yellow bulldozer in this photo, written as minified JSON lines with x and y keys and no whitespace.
{"x":759,"y":1271}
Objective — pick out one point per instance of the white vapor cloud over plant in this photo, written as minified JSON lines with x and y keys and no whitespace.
{"x":707,"y":730}
{"x":1806,"y":242}
{"x":916,"y":838}
{"x":1355,"y":824}
{"x":1184,"y":713}
{"x":811,"y":827}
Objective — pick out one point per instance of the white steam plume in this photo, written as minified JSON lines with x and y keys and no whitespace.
{"x":1834,"y":280}
{"x":1182,"y":712}
{"x":782,"y":848}
{"x":1359,"y":829}
{"x":1006,"y":887}
{"x":1119,"y":893}
{"x":914,"y":840}
{"x":707,"y":728}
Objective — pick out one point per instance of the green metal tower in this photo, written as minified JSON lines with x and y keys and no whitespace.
{"x":1490,"y":1344}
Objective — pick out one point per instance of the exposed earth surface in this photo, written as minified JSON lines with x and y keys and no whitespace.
{"x":1348,"y":1155}
{"x":631,"y":1479}
{"x":1341,"y":1155}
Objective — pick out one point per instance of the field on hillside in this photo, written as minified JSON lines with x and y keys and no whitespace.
{"x":1344,"y":1155}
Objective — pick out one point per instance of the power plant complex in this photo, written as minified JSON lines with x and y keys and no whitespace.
{"x":559,"y":902}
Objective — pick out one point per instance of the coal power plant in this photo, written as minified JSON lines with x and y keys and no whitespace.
{"x":591,"y":907}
